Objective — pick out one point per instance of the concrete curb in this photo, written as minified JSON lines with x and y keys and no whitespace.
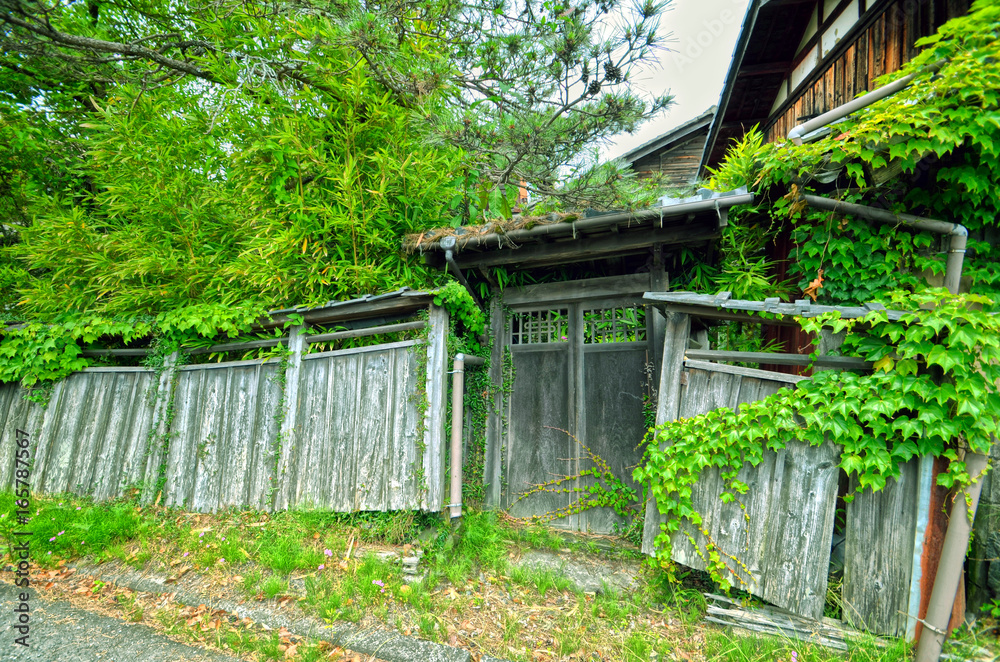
{"x":384,"y":644}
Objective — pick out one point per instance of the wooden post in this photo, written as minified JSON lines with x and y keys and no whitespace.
{"x":284,"y":480}
{"x":658,"y":282}
{"x":156,"y":456}
{"x":676,"y":331}
{"x":495,"y":440}
{"x":434,"y":417}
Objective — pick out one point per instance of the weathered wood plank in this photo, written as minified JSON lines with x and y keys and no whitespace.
{"x":590,"y":248}
{"x":434,"y":421}
{"x":745,"y":372}
{"x":493,"y":463}
{"x":842,"y":362}
{"x":536,"y":452}
{"x":780,"y":530}
{"x":575,"y":290}
{"x":878,"y":553}
{"x":284,"y":480}
{"x":613,"y":422}
{"x":677,"y":330}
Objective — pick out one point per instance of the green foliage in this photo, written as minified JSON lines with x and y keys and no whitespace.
{"x":32,"y":353}
{"x":933,"y":391}
{"x":595,"y":486}
{"x":941,"y":133}
{"x":468,"y":319}
{"x":292,"y":201}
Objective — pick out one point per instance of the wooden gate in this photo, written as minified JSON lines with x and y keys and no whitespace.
{"x":580,"y":357}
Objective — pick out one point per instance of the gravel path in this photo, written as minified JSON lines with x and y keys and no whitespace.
{"x":62,"y":633}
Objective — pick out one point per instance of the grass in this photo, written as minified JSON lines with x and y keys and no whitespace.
{"x":733,"y":647}
{"x":465,"y":575}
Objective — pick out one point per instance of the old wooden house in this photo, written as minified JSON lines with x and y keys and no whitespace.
{"x":676,"y":154}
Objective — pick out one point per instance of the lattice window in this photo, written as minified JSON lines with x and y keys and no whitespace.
{"x":624,"y":324}
{"x":539,"y":326}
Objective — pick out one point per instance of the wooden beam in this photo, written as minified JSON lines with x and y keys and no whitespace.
{"x":744,"y":372}
{"x":575,"y":290}
{"x":727,"y":315}
{"x":594,"y":248}
{"x":370,"y":331}
{"x":115,"y":352}
{"x":842,"y":362}
{"x":765,"y":69}
{"x":362,"y":309}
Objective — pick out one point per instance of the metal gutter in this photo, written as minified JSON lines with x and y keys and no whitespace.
{"x":798,"y":133}
{"x":958,"y":233}
{"x":720,"y":204}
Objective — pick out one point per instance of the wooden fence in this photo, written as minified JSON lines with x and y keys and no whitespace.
{"x":337,"y":430}
{"x":785,"y":534}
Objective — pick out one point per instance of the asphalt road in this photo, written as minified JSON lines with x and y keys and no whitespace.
{"x":62,"y":633}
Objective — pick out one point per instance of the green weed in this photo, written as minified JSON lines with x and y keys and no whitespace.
{"x":274,"y":586}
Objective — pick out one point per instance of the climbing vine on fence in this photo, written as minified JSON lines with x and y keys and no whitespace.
{"x":933,"y":391}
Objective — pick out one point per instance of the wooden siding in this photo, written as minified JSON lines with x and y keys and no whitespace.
{"x":679,"y":162}
{"x":881,"y":48}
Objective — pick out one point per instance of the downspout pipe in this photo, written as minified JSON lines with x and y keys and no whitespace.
{"x":797,"y":133}
{"x":457,"y":420}
{"x":949,"y":573}
{"x":958,"y":234}
{"x":961,"y":517}
{"x":448,"y":243}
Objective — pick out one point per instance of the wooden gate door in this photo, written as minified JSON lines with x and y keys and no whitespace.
{"x":580,"y":373}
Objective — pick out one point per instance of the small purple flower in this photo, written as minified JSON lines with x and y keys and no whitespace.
{"x":378,"y":582}
{"x":185,"y":554}
{"x":61,"y":532}
{"x":223,"y":537}
{"x":201,"y":535}
{"x":78,"y":507}
{"x":328,"y":553}
{"x":49,"y":553}
{"x":52,"y":539}
{"x":321,"y":566}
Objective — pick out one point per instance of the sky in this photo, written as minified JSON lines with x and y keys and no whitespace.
{"x":701,"y":40}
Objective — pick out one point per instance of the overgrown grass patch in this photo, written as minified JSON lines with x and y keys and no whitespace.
{"x":742,"y":647}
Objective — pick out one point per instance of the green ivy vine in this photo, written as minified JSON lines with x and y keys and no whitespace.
{"x":934,"y":390}
{"x":931,"y":149}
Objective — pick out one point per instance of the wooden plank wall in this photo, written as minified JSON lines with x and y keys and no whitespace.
{"x":680,"y":163}
{"x":91,"y":439}
{"x":885,"y":46}
{"x":355,"y":434}
{"x":878,"y":554}
{"x":222,"y":437}
{"x":352,"y":445}
{"x":783,"y":535}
